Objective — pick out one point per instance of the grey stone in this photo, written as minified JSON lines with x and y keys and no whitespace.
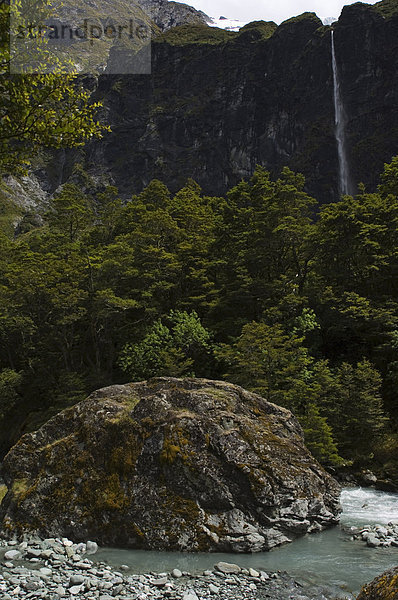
{"x":74,"y":590}
{"x":33,"y":552}
{"x":253,"y":573}
{"x":227,"y":568}
{"x":91,"y":547}
{"x":190,"y":595}
{"x":12,"y":555}
{"x":176,"y":573}
{"x":242,"y":529}
{"x":214,"y":589}
{"x":60,"y":590}
{"x":31,"y":586}
{"x":161,"y":582}
{"x":76,"y":580}
{"x":372,"y":541}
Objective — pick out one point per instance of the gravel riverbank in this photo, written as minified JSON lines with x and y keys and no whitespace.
{"x":56,"y":569}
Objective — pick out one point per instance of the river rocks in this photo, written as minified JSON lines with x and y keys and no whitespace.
{"x":182,"y":464}
{"x":98,"y":581}
{"x":377,"y":535}
{"x":384,"y":587}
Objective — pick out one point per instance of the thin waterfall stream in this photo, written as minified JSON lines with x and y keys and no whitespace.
{"x":340,"y":127}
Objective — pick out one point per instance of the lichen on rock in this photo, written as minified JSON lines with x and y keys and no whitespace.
{"x":182,"y":464}
{"x":383,"y":587}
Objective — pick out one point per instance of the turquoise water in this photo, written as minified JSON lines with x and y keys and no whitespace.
{"x":328,"y":558}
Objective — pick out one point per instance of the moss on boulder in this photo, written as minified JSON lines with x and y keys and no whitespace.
{"x":384,"y":587}
{"x":183,"y":464}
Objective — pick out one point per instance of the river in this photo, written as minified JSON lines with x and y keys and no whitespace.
{"x":329,"y":558}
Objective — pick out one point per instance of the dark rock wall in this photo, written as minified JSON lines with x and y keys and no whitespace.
{"x":213,"y":111}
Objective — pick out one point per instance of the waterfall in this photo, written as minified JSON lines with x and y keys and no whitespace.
{"x":340,"y":123}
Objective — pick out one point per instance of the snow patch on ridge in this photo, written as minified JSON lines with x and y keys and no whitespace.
{"x":228,"y":24}
{"x":328,"y":20}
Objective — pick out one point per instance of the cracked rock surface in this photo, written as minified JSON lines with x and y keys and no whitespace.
{"x":176,"y":464}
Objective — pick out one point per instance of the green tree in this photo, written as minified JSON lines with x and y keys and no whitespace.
{"x":357,"y":242}
{"x":71,"y":213}
{"x":360,"y":420}
{"x":265,"y":247}
{"x":10,"y":384}
{"x":355,"y":275}
{"x":170,"y":350}
{"x":318,"y":436}
{"x":389,"y":179}
{"x":266,"y":360}
{"x":48,"y":110}
{"x":197,"y":225}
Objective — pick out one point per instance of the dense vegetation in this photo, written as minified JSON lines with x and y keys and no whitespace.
{"x":263,"y":288}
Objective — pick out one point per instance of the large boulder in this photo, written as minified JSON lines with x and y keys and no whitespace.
{"x":384,"y":587}
{"x":182,"y":464}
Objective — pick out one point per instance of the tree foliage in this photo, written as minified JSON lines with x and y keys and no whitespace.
{"x":174,"y":350}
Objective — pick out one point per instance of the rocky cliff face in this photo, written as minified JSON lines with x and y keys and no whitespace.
{"x":384,"y":587}
{"x":167,"y":14}
{"x":169,"y":464}
{"x":218,"y":103}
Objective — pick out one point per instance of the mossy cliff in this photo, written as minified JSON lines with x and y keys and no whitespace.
{"x":384,"y":587}
{"x":218,"y":103}
{"x":184,"y":464}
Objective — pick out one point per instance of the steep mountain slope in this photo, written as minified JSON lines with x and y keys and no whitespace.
{"x":86,"y":32}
